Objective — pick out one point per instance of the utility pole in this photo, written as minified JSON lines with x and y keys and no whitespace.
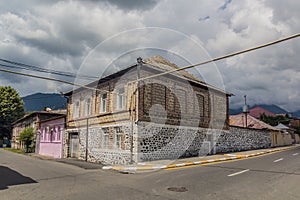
{"x":87,"y":139}
{"x":135,"y":94}
{"x":245,"y":110}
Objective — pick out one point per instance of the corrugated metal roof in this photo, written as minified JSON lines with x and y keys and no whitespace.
{"x":161,"y":64}
{"x":281,"y":126}
{"x":240,"y":120}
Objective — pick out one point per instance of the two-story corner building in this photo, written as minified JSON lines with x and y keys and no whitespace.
{"x":127,"y":121}
{"x":30,"y":120}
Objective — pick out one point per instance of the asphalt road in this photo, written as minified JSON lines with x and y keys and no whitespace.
{"x":273,"y":176}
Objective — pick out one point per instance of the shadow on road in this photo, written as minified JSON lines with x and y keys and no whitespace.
{"x":10,"y":177}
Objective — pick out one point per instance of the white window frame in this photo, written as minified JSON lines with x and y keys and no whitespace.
{"x":103,"y":102}
{"x":121,"y":99}
{"x":118,"y":137}
{"x":76,"y":109}
{"x":105,"y":141}
{"x":87,"y":108}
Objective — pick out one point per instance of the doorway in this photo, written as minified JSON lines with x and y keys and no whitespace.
{"x":74,"y":145}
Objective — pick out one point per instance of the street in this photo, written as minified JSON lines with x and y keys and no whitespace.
{"x":273,"y":176}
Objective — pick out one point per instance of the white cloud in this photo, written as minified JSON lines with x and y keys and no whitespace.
{"x":61,"y":33}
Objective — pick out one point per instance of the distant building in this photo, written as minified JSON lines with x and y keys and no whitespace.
{"x":287,"y":130}
{"x":295,"y":123}
{"x":277,"y":136}
{"x":30,"y":120}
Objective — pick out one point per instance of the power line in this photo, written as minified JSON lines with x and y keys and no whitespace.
{"x":222,"y":57}
{"x":50,"y":79}
{"x":40,"y":69}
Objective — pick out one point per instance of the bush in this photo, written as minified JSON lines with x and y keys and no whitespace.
{"x":27,"y":136}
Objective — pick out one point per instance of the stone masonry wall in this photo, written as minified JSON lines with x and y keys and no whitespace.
{"x":110,"y":154}
{"x":242,"y":139}
{"x":157,"y":142}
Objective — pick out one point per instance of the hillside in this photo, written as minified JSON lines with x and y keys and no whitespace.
{"x":272,"y":108}
{"x":38,"y":101}
{"x":296,"y":114}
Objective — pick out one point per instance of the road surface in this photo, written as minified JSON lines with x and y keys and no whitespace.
{"x":272,"y":176}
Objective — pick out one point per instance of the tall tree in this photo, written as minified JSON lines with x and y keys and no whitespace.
{"x":11,"y":109}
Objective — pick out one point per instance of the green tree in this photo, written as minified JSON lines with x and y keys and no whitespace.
{"x":274,"y":121}
{"x":27,"y":136}
{"x":11,"y":109}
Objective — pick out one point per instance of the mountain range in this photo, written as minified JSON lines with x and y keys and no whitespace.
{"x":40,"y":101}
{"x":272,"y":108}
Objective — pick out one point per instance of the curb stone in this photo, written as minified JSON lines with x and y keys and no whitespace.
{"x":226,"y":157}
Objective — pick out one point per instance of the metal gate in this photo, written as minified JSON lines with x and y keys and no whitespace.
{"x":74,"y":145}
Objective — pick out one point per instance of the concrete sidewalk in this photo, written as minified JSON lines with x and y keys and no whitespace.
{"x":70,"y":161}
{"x":168,"y":164}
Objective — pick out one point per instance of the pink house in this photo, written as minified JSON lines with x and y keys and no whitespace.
{"x":51,"y":137}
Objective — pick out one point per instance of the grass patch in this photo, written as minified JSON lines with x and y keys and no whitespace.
{"x":20,"y":151}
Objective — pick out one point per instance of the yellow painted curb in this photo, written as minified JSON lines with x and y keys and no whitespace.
{"x":190,"y":163}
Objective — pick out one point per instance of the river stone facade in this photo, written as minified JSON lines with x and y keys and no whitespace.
{"x":158,"y":142}
{"x":107,"y":155}
{"x":242,"y":139}
{"x":171,"y":142}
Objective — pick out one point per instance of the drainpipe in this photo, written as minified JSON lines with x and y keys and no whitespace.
{"x":139,"y":65}
{"x":246,"y":110}
{"x":136,"y":92}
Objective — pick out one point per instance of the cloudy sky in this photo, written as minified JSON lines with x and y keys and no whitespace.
{"x":64,"y":36}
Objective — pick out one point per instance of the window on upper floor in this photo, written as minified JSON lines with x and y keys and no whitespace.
{"x":76,"y":109}
{"x":103,"y":102}
{"x":87,"y":107}
{"x":120,"y":99}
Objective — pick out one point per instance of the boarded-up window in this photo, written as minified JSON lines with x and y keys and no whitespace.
{"x":170,"y":101}
{"x":200,"y":104}
{"x":180,"y":101}
{"x":147,"y":97}
{"x":158,"y":94}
